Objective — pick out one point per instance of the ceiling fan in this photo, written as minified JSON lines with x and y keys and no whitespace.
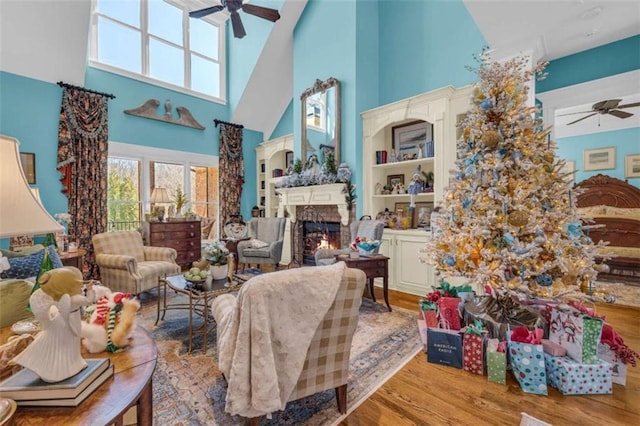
{"x":233,"y":6}
{"x":610,"y":106}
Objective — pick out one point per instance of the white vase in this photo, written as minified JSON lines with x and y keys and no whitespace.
{"x":219,"y":272}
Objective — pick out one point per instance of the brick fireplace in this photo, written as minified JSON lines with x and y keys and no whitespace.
{"x":319,"y":204}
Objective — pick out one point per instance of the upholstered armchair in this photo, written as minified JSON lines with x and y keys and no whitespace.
{"x":264,"y":246}
{"x":287,"y":335}
{"x":359,"y":228}
{"x":127,"y":265}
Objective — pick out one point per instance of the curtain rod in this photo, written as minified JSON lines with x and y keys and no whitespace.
{"x":216,"y":121}
{"x":71,"y":86}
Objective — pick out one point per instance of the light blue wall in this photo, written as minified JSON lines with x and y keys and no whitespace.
{"x":603,"y":61}
{"x":425,"y":45}
{"x":127,"y":128}
{"x":625,"y":141}
{"x":30,"y":112}
{"x":285,"y":125}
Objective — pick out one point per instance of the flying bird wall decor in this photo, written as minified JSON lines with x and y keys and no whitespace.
{"x":149,"y":109}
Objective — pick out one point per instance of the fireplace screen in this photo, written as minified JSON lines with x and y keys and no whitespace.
{"x":317,"y":235}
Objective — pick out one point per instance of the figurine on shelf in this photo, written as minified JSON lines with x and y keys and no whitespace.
{"x":415,"y":187}
{"x":378,"y":189}
{"x":393,"y":157}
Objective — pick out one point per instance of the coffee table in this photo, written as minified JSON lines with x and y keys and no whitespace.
{"x":200,"y":297}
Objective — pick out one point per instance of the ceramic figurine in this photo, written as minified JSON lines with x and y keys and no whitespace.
{"x":378,"y":188}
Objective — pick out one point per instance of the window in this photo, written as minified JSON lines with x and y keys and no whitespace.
{"x":149,"y":39}
{"x":135,"y":170}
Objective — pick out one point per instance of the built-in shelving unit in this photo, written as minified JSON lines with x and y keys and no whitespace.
{"x":271,"y":157}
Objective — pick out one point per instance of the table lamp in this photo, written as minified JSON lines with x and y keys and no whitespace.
{"x":158,"y":196}
{"x":20,"y":211}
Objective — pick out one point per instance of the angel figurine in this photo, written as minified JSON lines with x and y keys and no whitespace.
{"x":55,"y":354}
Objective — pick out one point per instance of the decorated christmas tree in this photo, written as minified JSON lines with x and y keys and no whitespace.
{"x":509,"y":216}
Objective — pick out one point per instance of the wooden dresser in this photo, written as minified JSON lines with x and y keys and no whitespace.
{"x":182,"y":236}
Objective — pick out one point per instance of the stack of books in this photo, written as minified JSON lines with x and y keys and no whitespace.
{"x":26,"y":388}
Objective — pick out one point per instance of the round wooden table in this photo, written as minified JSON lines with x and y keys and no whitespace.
{"x":130,"y":386}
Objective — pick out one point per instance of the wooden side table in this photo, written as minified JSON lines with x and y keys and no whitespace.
{"x":374,"y":267}
{"x":130,"y":386}
{"x":73,"y":258}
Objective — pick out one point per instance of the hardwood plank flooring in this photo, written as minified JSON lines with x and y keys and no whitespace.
{"x":429,"y":394}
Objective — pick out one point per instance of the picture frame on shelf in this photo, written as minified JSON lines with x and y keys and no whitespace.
{"x":394,"y":180}
{"x":406,"y":214}
{"x":28,"y":160}
{"x":632,"y":166}
{"x":288,"y":161}
{"x":599,"y":158}
{"x":422,"y":215}
{"x":408,"y":139}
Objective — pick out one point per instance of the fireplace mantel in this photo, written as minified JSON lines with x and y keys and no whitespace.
{"x":314,"y":195}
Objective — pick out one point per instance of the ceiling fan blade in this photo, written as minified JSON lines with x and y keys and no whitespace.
{"x":635,"y":104}
{"x":574,"y":113}
{"x":620,"y":114}
{"x":236,"y":23}
{"x":262,"y":12}
{"x":206,"y":11}
{"x":608,"y":104}
{"x":583,"y":118}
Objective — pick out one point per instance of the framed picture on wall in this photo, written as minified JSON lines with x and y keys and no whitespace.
{"x":288,"y":161}
{"x":28,"y":160}
{"x":599,"y":158}
{"x":569,"y":167}
{"x":632,"y":166}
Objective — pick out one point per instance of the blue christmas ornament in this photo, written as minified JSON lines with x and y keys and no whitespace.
{"x":544,"y":280}
{"x":486,"y":104}
{"x":508,"y":238}
{"x":502,"y":152}
{"x":466,"y":203}
{"x":450,"y":261}
{"x":459,"y":176}
{"x":574,"y":230}
{"x":517,"y":155}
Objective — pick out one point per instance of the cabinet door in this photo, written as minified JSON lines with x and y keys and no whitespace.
{"x":410,"y":274}
{"x":387,"y":248}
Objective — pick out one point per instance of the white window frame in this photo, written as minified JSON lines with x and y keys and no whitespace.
{"x":146,"y":154}
{"x":216,"y":19}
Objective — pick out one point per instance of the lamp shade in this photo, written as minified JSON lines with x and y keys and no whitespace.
{"x":159,"y":195}
{"x":20,"y":212}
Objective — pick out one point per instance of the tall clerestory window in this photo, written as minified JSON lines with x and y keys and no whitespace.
{"x":155,"y":41}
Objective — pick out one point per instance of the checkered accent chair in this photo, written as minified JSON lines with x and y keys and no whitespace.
{"x":127,"y":265}
{"x":327,"y":363}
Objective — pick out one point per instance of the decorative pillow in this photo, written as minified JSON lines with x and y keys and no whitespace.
{"x":257,"y":244}
{"x":25,"y":266}
{"x":55,"y":257}
{"x":14,"y":298}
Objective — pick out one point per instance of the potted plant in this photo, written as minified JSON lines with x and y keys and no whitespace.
{"x":216,"y":254}
{"x":180,"y":200}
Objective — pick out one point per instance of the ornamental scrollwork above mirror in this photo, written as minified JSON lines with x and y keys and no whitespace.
{"x":320,"y":131}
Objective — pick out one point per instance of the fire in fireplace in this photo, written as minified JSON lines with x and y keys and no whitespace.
{"x":317,"y":235}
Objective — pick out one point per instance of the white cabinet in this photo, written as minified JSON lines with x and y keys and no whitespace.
{"x":443,"y":108}
{"x":406,"y":272}
{"x":271,"y":161}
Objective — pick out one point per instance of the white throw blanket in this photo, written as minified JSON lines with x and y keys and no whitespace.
{"x":264,"y":338}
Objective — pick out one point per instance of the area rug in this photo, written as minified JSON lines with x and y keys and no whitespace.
{"x":188,"y":389}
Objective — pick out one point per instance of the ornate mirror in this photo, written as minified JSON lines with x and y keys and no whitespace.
{"x":321,"y":120}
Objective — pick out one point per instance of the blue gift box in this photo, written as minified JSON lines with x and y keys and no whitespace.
{"x":571,"y":377}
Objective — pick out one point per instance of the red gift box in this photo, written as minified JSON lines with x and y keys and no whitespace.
{"x":472,"y":353}
{"x":553,"y":348}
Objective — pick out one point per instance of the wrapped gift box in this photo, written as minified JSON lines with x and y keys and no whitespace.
{"x":553,"y":348}
{"x":573,"y":378}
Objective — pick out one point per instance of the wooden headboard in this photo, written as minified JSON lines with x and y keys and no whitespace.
{"x":608,"y":191}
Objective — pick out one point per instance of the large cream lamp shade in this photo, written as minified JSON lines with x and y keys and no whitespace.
{"x":20,"y":211}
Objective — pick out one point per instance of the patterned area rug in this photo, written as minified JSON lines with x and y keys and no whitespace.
{"x":188,"y":389}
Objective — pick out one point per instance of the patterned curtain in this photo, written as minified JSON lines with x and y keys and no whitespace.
{"x":82,"y":160}
{"x":231,"y":172}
